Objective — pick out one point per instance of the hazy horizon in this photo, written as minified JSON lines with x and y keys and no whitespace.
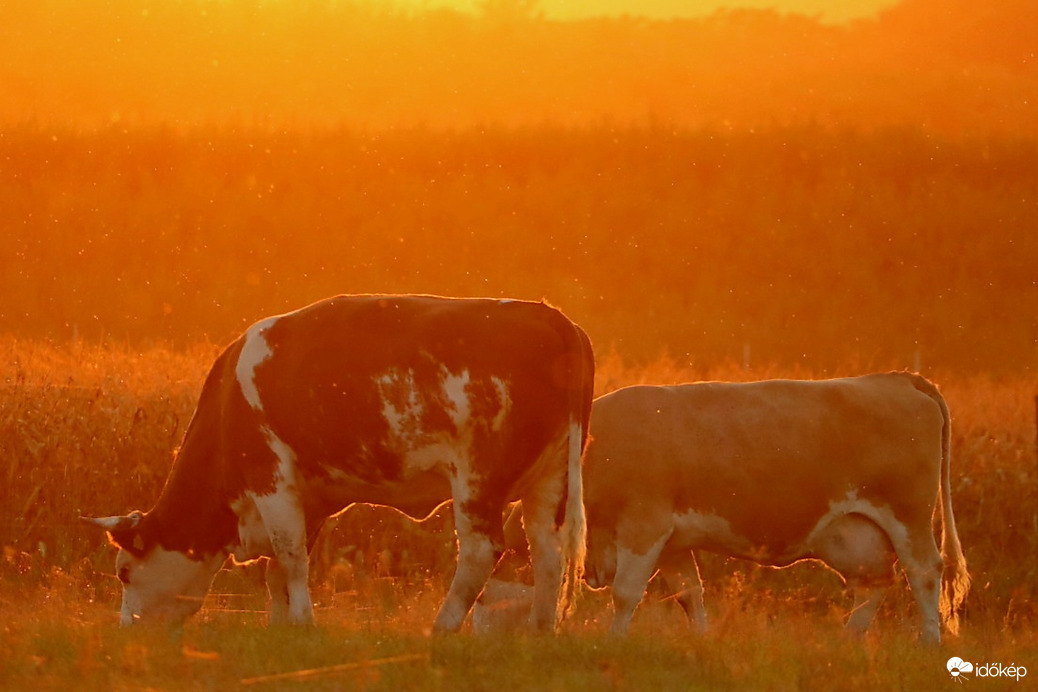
{"x":826,"y":10}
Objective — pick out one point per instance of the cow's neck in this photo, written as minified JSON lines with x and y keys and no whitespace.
{"x":193,"y":513}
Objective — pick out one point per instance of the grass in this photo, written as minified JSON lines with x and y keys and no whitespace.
{"x":54,"y":636}
{"x":92,"y":429}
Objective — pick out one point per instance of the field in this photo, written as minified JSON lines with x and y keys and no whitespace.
{"x":744,"y":196}
{"x":800,"y":245}
{"x":751,"y":187}
{"x":91,"y":429}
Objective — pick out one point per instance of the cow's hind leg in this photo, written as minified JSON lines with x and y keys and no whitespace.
{"x":915,"y":548}
{"x":540,"y":515}
{"x":923,"y":566}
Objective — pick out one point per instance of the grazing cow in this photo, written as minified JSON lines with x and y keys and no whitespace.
{"x":401,"y":401}
{"x":848,"y":471}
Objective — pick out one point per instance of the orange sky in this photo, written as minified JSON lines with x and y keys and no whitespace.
{"x":829,"y":10}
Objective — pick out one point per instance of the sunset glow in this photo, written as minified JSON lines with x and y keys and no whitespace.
{"x":327,"y":64}
{"x":712,"y":190}
{"x":828,"y":10}
{"x":365,"y":149}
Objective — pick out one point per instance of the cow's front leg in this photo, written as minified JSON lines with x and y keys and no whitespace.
{"x":681,"y":575}
{"x":478,"y":552}
{"x":289,"y":569}
{"x":635,"y":566}
{"x":277,"y":587}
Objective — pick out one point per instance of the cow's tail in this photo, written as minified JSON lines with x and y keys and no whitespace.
{"x":955,"y":583}
{"x":574,"y":525}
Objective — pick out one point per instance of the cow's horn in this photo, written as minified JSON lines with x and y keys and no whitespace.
{"x":130,"y":521}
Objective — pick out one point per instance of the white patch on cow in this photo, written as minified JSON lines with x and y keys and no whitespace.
{"x":280,"y":510}
{"x":164,"y":585}
{"x":476,"y":558}
{"x":453,"y":454}
{"x":506,"y":403}
{"x":464,"y":478}
{"x":882,"y":516}
{"x":284,"y":521}
{"x":404,"y":418}
{"x":454,"y":388}
{"x":600,"y":560}
{"x":403,"y":408}
{"x":253,"y":540}
{"x":254,"y":351}
{"x":285,"y":454}
{"x":633,"y":571}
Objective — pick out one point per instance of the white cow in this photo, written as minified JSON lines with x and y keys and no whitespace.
{"x":402,"y":401}
{"x":847,"y":471}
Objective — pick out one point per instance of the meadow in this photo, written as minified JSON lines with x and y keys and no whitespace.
{"x":91,"y":429}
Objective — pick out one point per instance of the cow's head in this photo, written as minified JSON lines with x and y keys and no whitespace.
{"x":600,"y":560}
{"x":159,"y":585}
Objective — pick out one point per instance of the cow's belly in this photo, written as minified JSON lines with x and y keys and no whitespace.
{"x":698,"y":531}
{"x":714,"y":534}
{"x":695,"y":531}
{"x":849,"y":522}
{"x":417,"y":496}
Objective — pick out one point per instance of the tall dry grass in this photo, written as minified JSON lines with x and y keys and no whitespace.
{"x":89,"y":429}
{"x":804,"y":246}
{"x":82,"y":424}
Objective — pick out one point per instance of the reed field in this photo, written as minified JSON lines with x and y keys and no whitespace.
{"x":744,"y":196}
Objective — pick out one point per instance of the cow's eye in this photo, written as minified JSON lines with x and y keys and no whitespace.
{"x":124,"y":575}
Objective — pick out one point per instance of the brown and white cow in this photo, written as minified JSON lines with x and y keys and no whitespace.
{"x":847,"y":471}
{"x":402,"y":401}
